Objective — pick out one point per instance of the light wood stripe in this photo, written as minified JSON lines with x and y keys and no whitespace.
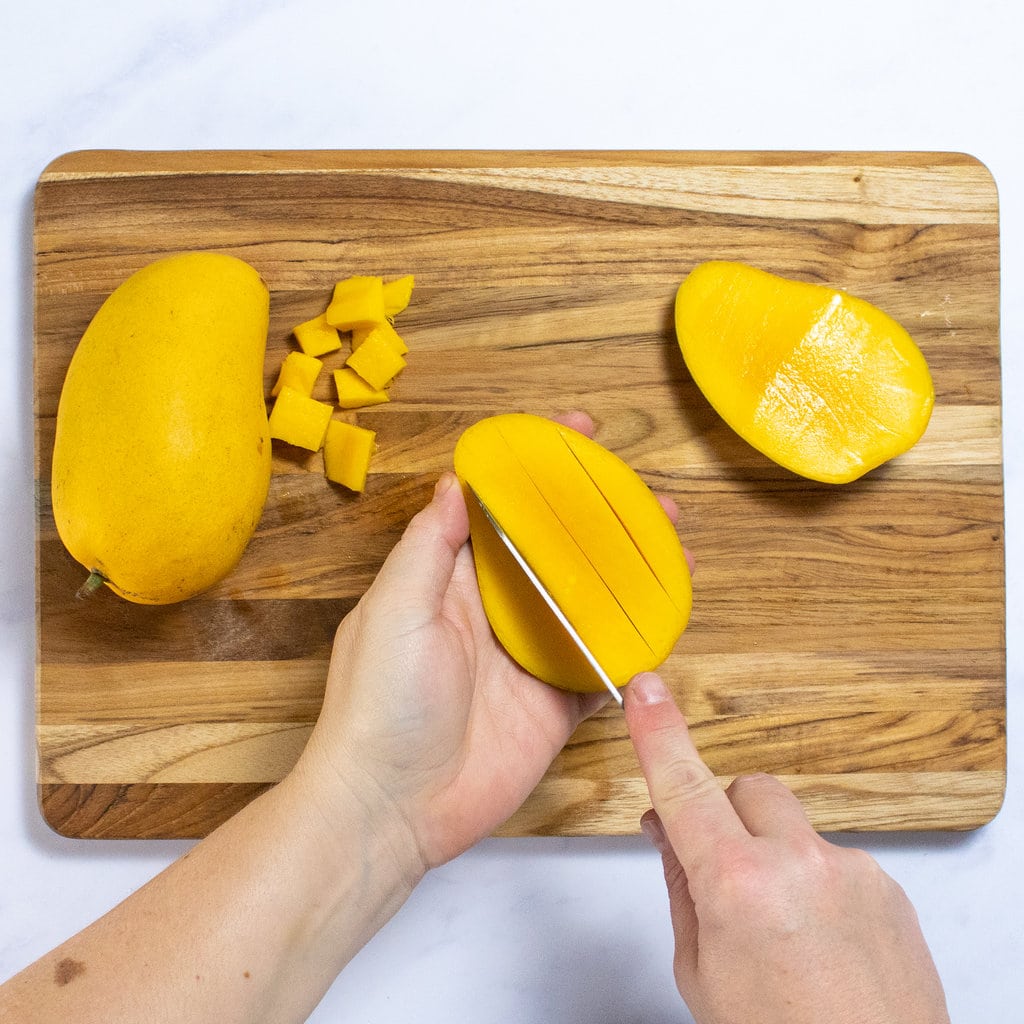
{"x":865,"y":191}
{"x":707,"y":685}
{"x":884,"y":802}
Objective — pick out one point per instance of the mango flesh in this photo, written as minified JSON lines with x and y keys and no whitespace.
{"x":397,"y":295}
{"x":161,"y":461}
{"x":299,"y":419}
{"x":376,"y":361}
{"x":357,"y":302}
{"x":298,"y":372}
{"x":348,"y":450}
{"x":821,"y":382}
{"x":593,"y":533}
{"x":354,"y":393}
{"x":317,"y":337}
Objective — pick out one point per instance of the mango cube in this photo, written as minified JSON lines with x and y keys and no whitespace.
{"x":299,"y":372}
{"x":347,"y":453}
{"x":354,"y":392}
{"x":387,"y":332}
{"x":357,"y":302}
{"x":317,"y":336}
{"x":376,"y":361}
{"x":300,"y":420}
{"x":397,"y":295}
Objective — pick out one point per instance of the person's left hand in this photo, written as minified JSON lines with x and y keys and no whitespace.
{"x":425,"y":715}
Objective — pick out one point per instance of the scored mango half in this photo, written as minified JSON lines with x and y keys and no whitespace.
{"x":823,"y":383}
{"x":595,"y":536}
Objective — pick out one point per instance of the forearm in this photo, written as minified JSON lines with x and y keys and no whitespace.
{"x":253,"y":924}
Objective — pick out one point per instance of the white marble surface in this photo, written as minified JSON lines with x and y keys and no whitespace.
{"x":538,"y":930}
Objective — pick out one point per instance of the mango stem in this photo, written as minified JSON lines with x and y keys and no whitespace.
{"x":95,"y":580}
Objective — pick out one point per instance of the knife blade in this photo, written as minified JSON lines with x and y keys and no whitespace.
{"x":548,"y":599}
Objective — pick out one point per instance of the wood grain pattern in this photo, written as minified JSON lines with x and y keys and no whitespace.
{"x":849,"y":639}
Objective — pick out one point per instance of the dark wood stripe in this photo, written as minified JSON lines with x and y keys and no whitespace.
{"x":143,"y":810}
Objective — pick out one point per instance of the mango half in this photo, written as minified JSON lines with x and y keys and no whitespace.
{"x":823,"y":383}
{"x":161,"y":460}
{"x":592,"y":532}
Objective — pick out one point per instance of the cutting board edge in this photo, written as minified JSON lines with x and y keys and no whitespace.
{"x":113,"y":810}
{"x":88,"y":162}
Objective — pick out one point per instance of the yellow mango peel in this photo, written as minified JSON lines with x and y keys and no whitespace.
{"x":821,"y":382}
{"x":596,"y":537}
{"x":161,"y":459}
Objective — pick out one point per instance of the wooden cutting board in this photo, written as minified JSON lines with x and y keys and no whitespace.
{"x":849,"y":639}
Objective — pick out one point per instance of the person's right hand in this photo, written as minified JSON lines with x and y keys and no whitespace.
{"x":772,"y":923}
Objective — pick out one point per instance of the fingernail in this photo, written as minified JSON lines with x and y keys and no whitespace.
{"x":444,"y":484}
{"x":648,"y":688}
{"x":652,"y":829}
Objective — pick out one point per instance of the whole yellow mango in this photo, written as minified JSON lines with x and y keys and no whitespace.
{"x":820,"y":381}
{"x":161,"y":461}
{"x":595,"y":536}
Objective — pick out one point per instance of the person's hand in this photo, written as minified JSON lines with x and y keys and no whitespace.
{"x":425,"y":715}
{"x":772,"y":923}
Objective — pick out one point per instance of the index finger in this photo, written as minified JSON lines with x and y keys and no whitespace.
{"x":696,"y":813}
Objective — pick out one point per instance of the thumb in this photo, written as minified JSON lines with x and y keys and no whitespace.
{"x":681,"y":907}
{"x":419,"y":569}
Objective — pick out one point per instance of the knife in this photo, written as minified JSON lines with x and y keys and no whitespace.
{"x":548,"y":599}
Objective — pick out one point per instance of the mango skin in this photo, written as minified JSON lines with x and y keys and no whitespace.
{"x":593,"y":533}
{"x":820,"y":381}
{"x":161,"y":460}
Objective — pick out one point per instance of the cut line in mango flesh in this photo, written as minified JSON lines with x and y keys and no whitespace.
{"x":573,"y":509}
